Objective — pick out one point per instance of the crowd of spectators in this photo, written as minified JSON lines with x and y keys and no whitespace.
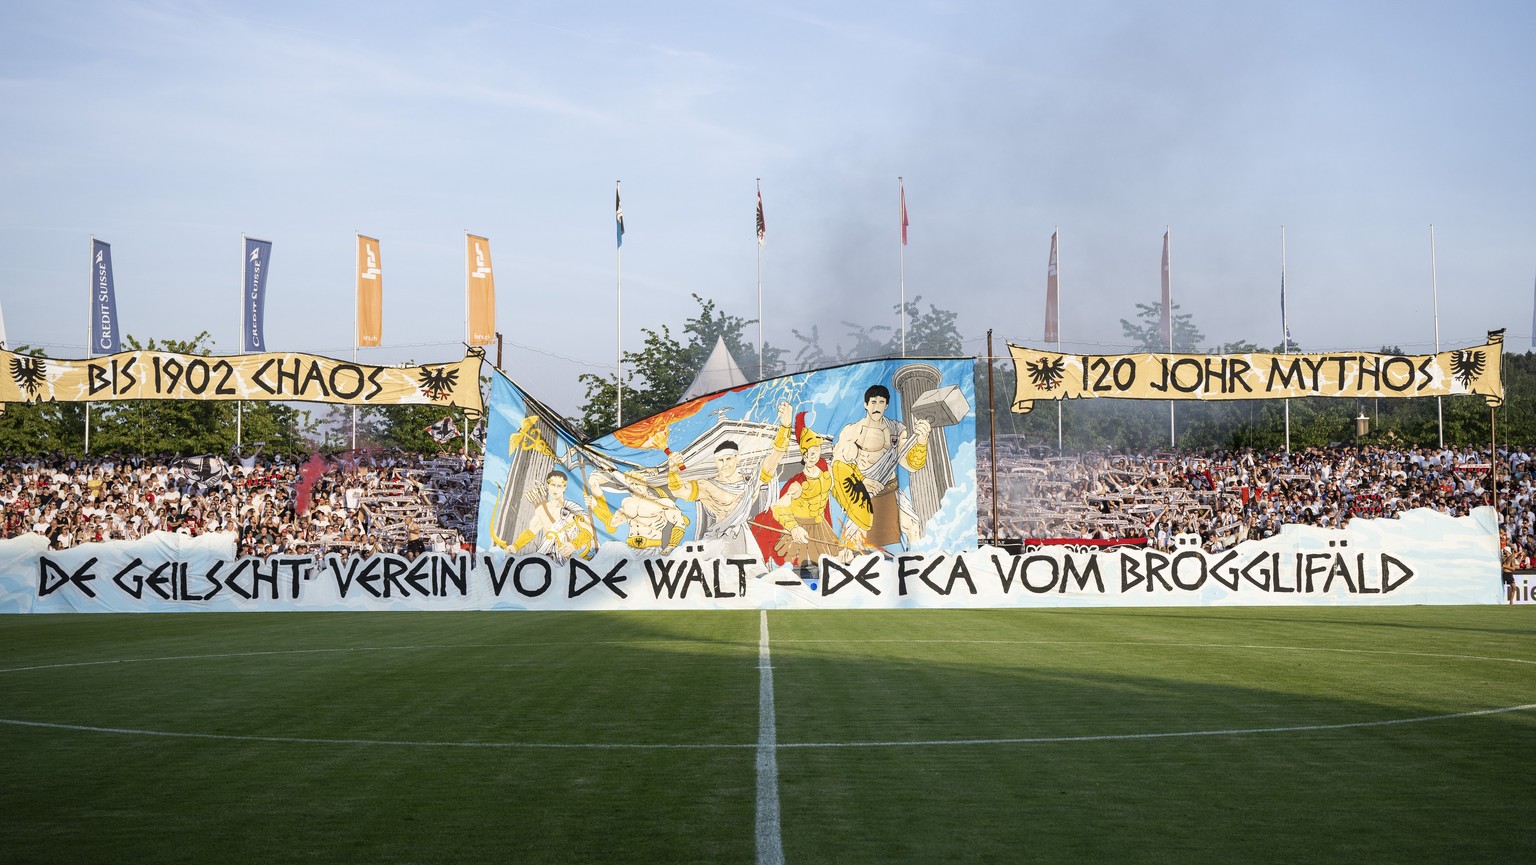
{"x":407,"y":504}
{"x":1231,"y":496}
{"x":355,"y":503}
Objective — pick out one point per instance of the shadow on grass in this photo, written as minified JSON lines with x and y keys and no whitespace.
{"x":1253,"y":614}
{"x":1390,"y":793}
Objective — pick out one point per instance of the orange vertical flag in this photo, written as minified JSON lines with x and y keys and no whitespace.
{"x":370,"y":293}
{"x":479,"y":292}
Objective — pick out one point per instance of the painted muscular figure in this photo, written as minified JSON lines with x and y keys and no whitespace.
{"x":864,"y":463}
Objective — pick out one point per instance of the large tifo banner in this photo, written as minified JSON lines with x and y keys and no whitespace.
{"x":1421,"y":558}
{"x":1050,"y":375}
{"x":869,"y":457}
{"x":275,"y":376}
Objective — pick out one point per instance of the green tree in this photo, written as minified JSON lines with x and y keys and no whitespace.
{"x":932,"y":333}
{"x":662,"y":378}
{"x":1148,"y":335}
{"x":711,"y":324}
{"x":656,"y":376}
{"x":1239,"y":346}
{"x":929,"y":334}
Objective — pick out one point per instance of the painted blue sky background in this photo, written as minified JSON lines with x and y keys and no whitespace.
{"x":831,"y":399}
{"x":168,"y":128}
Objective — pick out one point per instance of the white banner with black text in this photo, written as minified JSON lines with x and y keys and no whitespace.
{"x":1420,"y":558}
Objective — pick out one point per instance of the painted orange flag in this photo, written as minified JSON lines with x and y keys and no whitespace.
{"x":479,"y":292}
{"x":370,"y":293}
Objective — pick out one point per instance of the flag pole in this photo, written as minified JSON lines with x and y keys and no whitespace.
{"x":901,"y":258}
{"x":467,"y":335}
{"x":992,"y":433}
{"x":1168,"y":275}
{"x":240,"y":346}
{"x":468,"y":338}
{"x":1434,"y":288}
{"x":1285,"y":336}
{"x":90,"y":326}
{"x":618,"y":334}
{"x":762,"y":234}
{"x":1056,"y":234}
{"x":1493,"y":464}
{"x":356,"y":323}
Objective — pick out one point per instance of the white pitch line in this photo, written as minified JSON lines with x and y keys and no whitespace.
{"x":1126,"y":737}
{"x":582,"y":644}
{"x":1139,"y":643}
{"x":1161,"y":644}
{"x":770,"y":839}
{"x":767,"y":743}
{"x":775,"y":746}
{"x":402,"y":743}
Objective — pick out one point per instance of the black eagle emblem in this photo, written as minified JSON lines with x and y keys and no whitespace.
{"x":857,"y":494}
{"x":28,"y":373}
{"x":1467,"y":365}
{"x":438,"y":381}
{"x":1047,"y":373}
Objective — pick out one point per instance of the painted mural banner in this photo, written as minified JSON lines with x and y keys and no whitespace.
{"x":875,"y":457}
{"x":1050,"y":375}
{"x":1422,"y":557}
{"x":272,"y":376}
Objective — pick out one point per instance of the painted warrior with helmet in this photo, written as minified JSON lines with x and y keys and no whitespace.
{"x":801,"y":519}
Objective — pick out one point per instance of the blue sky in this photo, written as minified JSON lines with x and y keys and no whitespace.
{"x":168,"y":128}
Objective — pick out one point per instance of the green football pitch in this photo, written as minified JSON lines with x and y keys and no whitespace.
{"x":1359,"y":735}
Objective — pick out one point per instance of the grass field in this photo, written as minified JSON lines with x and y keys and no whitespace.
{"x":1156,"y":735}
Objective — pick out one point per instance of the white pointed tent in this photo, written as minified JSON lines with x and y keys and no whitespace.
{"x":720,"y":371}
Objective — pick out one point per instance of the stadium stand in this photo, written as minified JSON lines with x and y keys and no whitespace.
{"x":357,"y":504}
{"x":1231,"y":496}
{"x":380,"y":502}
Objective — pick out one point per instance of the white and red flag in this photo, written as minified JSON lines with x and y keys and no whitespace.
{"x":1052,"y":326}
{"x":1165,"y":322}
